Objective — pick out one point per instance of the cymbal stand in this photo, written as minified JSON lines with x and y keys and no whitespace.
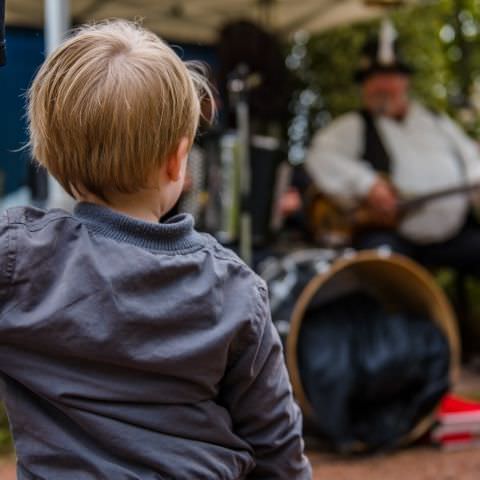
{"x":238,"y":88}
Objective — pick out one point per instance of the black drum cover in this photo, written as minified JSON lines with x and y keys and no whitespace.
{"x":370,"y":374}
{"x":371,"y":344}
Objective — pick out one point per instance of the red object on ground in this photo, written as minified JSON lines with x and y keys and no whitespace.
{"x":454,"y":410}
{"x":458,"y":423}
{"x":455,"y":404}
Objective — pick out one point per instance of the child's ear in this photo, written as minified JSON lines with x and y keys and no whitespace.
{"x":177,"y":160}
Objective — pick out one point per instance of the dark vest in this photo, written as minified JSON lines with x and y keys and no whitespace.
{"x":374,"y":151}
{"x":375,"y":154}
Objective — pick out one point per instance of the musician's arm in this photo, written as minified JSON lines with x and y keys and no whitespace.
{"x":334,"y":162}
{"x":465,"y":146}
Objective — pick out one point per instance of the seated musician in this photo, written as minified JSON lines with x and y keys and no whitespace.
{"x":394,"y":150}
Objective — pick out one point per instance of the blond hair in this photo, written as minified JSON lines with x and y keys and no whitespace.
{"x":110,"y":105}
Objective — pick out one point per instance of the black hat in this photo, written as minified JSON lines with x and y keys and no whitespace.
{"x":381,"y":55}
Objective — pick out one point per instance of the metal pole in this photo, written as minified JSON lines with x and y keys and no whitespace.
{"x":238,"y":87}
{"x":243,"y":127}
{"x":57,"y":23}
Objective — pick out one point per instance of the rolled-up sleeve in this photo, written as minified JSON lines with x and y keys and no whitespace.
{"x":259,"y":397}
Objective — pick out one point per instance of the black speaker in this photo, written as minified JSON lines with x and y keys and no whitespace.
{"x":265,"y":162}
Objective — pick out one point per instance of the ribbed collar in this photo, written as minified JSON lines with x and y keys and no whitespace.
{"x":175,"y":235}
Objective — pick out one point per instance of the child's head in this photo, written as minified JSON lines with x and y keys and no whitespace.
{"x":110,"y":106}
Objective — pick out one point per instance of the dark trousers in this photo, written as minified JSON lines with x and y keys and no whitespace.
{"x":461,"y":253}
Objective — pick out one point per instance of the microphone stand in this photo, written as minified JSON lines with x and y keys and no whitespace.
{"x":238,"y":87}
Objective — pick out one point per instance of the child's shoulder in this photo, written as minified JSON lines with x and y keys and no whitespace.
{"x":33,"y":217}
{"x":23,"y":240}
{"x":222,"y":252}
{"x":238,"y":268}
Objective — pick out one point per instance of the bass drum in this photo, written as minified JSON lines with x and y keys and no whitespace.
{"x":307,"y":281}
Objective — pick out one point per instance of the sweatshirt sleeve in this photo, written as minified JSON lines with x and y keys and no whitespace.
{"x":259,"y":397}
{"x":334,"y":161}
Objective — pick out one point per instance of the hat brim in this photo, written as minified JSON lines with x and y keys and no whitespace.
{"x":361,"y":75}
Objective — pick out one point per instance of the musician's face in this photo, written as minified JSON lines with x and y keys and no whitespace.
{"x":386,"y":94}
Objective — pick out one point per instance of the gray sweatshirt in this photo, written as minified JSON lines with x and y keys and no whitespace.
{"x":139,"y":351}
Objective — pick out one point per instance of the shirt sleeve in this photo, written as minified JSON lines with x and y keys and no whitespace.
{"x":468,"y":151}
{"x":334,"y":161}
{"x":259,"y":397}
{"x":465,"y":147}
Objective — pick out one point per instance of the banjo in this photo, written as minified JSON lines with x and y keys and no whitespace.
{"x":335,"y":226}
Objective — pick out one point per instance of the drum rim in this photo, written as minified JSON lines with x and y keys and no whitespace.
{"x":448,"y":325}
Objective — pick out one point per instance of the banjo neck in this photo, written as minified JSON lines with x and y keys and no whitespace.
{"x":407,"y":205}
{"x":330,"y":219}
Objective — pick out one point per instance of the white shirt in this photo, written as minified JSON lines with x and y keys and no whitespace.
{"x":428,"y":152}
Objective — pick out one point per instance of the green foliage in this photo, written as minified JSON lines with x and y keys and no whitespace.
{"x":334,"y":56}
{"x":441,"y":41}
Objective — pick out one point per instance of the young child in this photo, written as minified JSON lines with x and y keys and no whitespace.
{"x":132,"y":349}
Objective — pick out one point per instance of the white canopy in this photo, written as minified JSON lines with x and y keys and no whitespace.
{"x":200,"y":20}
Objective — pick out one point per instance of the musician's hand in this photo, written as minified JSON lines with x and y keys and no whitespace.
{"x":383,"y":200}
{"x":290,"y":202}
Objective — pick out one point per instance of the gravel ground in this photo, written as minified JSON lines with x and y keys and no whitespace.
{"x":419,"y":463}
{"x":7,"y":469}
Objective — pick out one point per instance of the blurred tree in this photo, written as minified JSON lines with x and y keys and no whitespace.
{"x":460,"y":37}
{"x":441,"y":41}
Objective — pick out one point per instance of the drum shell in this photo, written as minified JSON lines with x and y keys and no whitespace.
{"x":395,"y":280}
